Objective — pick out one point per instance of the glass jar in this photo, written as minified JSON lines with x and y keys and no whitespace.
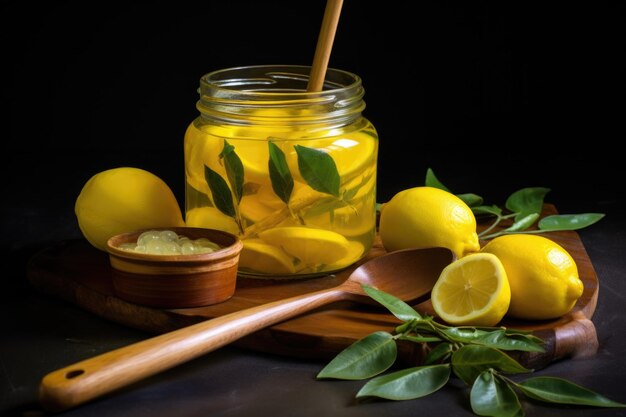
{"x":293,"y":173}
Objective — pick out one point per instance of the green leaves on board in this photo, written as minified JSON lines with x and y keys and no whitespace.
{"x":561,"y":391}
{"x":524,"y":206}
{"x":492,"y":396}
{"x":470,"y":360}
{"x":407,"y":384}
{"x":475,"y":355}
{"x":363,"y":359}
{"x":526,"y":201}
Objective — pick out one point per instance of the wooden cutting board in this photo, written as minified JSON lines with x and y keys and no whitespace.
{"x":75,"y":271}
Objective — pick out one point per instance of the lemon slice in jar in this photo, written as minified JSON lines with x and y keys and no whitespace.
{"x":311,"y":246}
{"x":258,"y":256}
{"x":473,"y":291}
{"x":201,"y":149}
{"x":355,"y":251}
{"x":211,"y":218}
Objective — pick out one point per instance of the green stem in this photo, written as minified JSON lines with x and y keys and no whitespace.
{"x":504,"y":232}
{"x":490,"y":228}
{"x":484,"y":234}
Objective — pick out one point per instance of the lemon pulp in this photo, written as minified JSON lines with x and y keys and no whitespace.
{"x":473,"y":290}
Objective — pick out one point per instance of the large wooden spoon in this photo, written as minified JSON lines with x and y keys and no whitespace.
{"x":407,"y":274}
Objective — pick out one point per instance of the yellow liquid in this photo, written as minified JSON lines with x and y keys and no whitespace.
{"x":315,"y":233}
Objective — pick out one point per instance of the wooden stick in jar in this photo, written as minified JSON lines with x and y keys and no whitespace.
{"x":324,"y":45}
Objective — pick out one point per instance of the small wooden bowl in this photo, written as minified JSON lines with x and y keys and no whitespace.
{"x":176,"y":281}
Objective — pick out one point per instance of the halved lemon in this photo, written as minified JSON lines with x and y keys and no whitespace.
{"x":259,"y":256}
{"x":473,"y":290}
{"x":311,"y":246}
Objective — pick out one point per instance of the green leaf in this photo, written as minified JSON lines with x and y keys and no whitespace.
{"x":495,"y":337}
{"x":397,"y":307}
{"x":526,"y":201}
{"x":432,"y":181}
{"x":568,"y":221}
{"x":492,"y":396}
{"x":439,"y":353}
{"x":463,"y":334}
{"x":222,"y":198}
{"x":495,"y":210}
{"x":522,"y":223}
{"x":251,"y":188}
{"x":419,"y":338}
{"x":349,"y":194}
{"x":500,"y":340}
{"x":280,"y":176}
{"x":363,"y":359}
{"x":470,"y":360}
{"x":471,"y":199}
{"x":234,"y":169}
{"x":318,"y":170}
{"x":407,"y":384}
{"x":561,"y":391}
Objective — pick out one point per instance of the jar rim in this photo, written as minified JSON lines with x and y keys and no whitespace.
{"x":225,"y":79}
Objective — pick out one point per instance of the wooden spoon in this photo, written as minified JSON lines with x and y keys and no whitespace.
{"x":407,"y":274}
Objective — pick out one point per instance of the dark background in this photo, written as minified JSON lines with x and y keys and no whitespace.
{"x":494,"y":96}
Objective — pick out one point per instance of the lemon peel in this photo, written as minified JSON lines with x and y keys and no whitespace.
{"x":423,"y":217}
{"x":124,"y":199}
{"x":543,"y":275}
{"x":259,"y":256}
{"x":211,"y":218}
{"x":311,"y":246}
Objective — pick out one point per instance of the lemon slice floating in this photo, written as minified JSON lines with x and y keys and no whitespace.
{"x":211,"y":218}
{"x":311,"y":246}
{"x":201,"y":149}
{"x":473,"y":290}
{"x":355,"y":251}
{"x":258,"y":256}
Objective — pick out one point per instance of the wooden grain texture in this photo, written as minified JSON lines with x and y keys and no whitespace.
{"x":324,"y":46}
{"x":74,"y":271}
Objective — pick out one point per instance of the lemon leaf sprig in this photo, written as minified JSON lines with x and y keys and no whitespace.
{"x":475,"y":355}
{"x":524,"y":207}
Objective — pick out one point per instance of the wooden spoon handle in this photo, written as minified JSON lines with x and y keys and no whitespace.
{"x":88,"y":379}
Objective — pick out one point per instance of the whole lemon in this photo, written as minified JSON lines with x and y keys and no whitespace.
{"x":542,"y":274}
{"x":423,"y":217}
{"x":124,"y":199}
